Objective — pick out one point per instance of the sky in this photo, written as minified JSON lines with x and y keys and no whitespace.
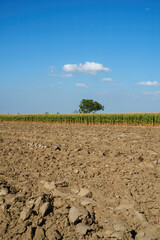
{"x":54,"y":53}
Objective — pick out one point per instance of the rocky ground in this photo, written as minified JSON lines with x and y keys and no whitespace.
{"x":79,"y":182}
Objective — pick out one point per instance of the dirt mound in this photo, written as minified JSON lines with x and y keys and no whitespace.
{"x":79,"y":182}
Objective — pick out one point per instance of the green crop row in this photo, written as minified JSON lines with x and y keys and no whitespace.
{"x":145,"y":119}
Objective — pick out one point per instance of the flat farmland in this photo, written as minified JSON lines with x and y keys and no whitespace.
{"x":79,"y":182}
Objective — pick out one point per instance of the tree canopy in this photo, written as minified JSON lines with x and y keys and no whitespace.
{"x":88,"y":106}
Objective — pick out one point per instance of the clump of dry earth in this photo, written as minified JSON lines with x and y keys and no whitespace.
{"x":79,"y":182}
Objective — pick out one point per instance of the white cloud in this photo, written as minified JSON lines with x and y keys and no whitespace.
{"x":53,"y":75}
{"x":51,"y":68}
{"x":148,"y":83}
{"x":88,"y":67}
{"x":69,"y":75}
{"x":155,"y":94}
{"x":70,"y":68}
{"x":60,"y":83}
{"x":106,"y":80}
{"x":104,"y":92}
{"x":81,"y":85}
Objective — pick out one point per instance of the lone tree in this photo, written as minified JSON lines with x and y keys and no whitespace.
{"x":88,"y":106}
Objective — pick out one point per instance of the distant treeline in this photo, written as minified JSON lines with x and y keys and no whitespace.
{"x":144,"y":119}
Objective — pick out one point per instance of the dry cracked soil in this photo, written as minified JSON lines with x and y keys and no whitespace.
{"x":79,"y":182}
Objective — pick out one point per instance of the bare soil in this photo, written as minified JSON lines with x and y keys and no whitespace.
{"x":79,"y":182}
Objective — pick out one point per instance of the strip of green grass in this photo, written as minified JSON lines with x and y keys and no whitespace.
{"x":145,"y":119}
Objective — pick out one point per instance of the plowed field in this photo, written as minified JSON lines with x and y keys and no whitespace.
{"x":79,"y":182}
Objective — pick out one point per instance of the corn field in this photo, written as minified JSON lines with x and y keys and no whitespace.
{"x":144,"y":119}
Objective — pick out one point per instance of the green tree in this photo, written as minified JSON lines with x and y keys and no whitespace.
{"x":88,"y":106}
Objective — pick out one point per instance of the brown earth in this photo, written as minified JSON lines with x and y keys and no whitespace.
{"x":79,"y":182}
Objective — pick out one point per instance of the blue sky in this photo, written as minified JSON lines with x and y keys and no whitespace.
{"x":55,"y":53}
